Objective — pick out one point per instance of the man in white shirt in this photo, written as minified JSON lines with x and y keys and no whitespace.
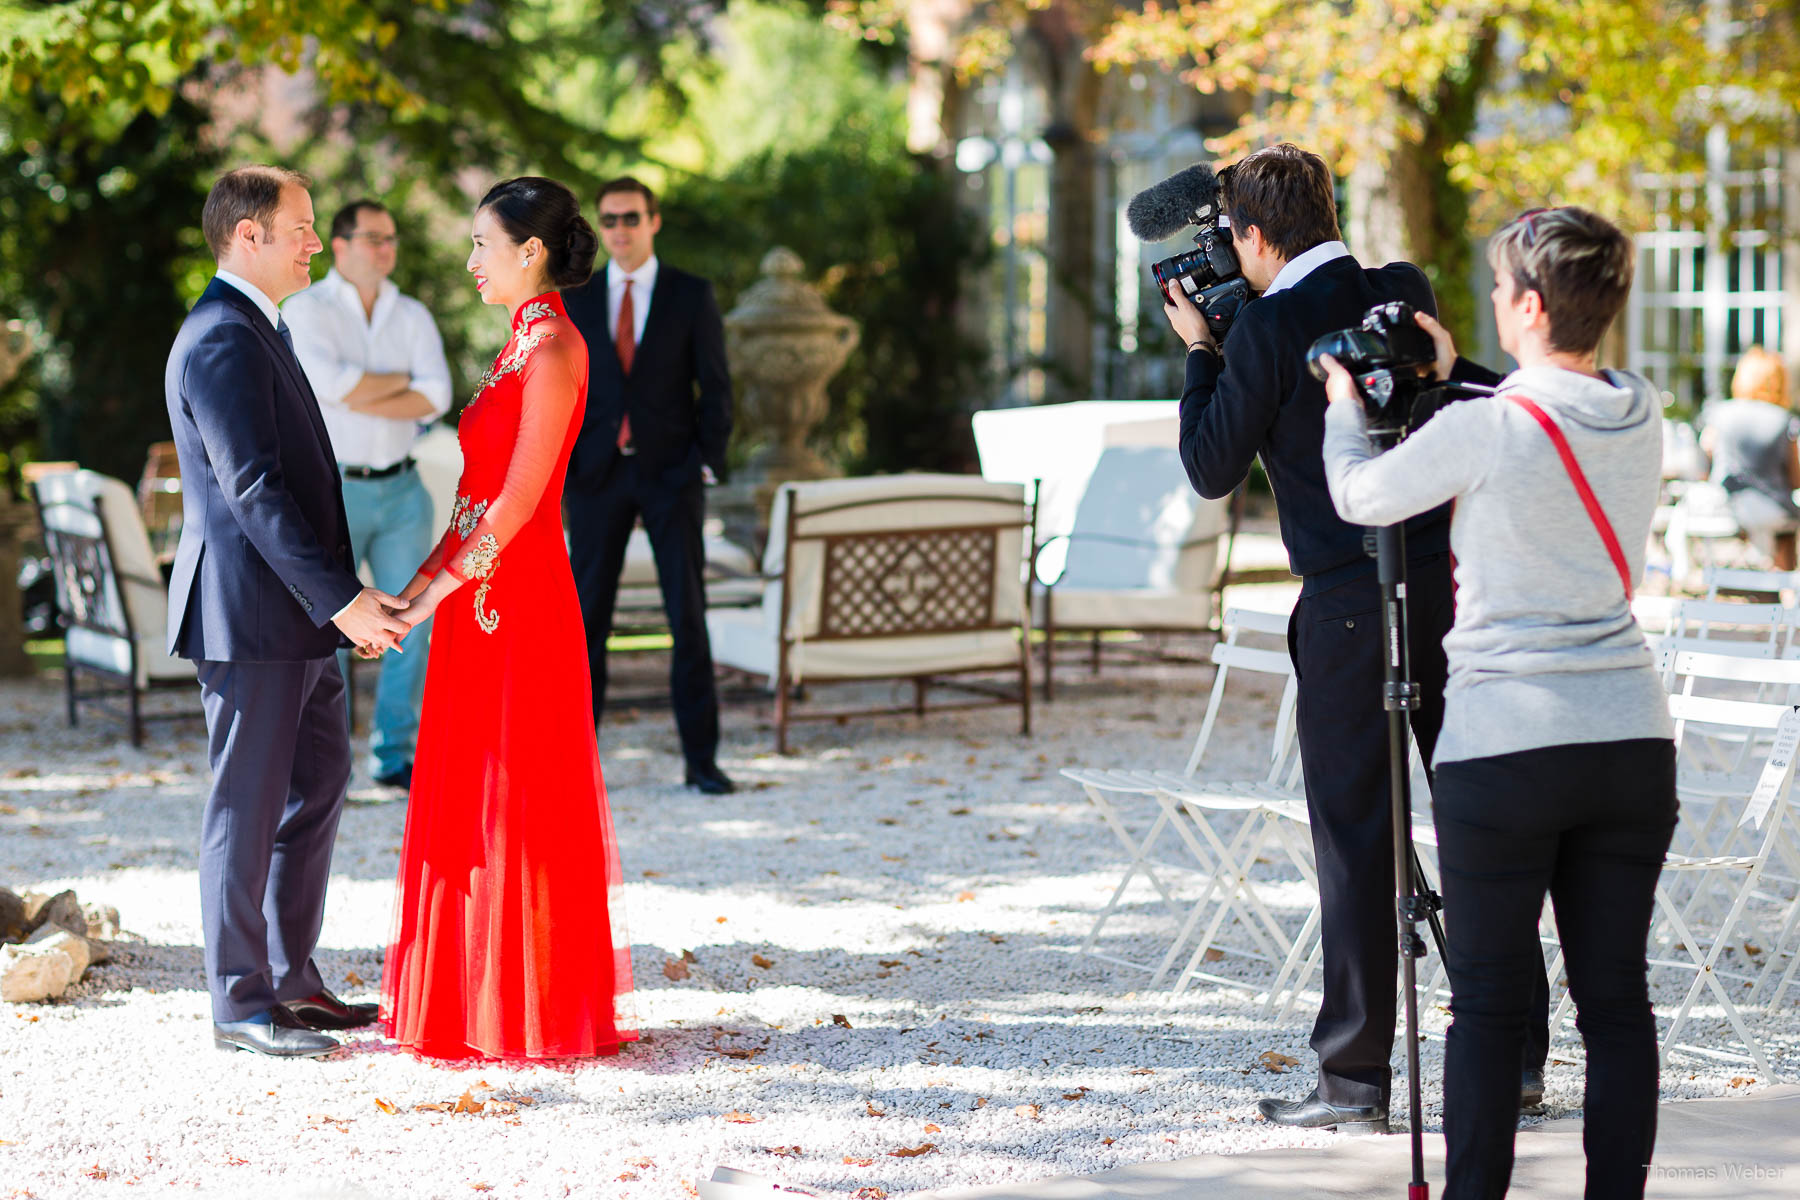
{"x":376,"y":361}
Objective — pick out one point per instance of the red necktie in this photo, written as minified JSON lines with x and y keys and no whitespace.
{"x":626,"y":341}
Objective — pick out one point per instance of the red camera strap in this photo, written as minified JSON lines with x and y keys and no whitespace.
{"x":1588,"y":499}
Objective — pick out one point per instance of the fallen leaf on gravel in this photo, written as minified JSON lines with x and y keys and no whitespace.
{"x":504,"y":1107}
{"x":467,"y":1103}
{"x":482,"y":1187}
{"x":981,"y":1102}
{"x":353,"y":979}
{"x":628,"y":1177}
{"x":783,"y":1151}
{"x":887,"y":962}
{"x":719,"y":920}
{"x":876,"y":1112}
{"x":1214,"y":954}
{"x":1106,"y":1141}
{"x":1077,"y":1094}
{"x":1092,"y":1010}
{"x":741,"y":1118}
{"x":964,"y":897}
{"x":232,"y":1160}
{"x":871,"y":1193}
{"x":95,"y":1172}
{"x":652,"y":874}
{"x":960,"y":812}
{"x":841,"y":1021}
{"x":934,"y":1129}
{"x":893,"y":858}
{"x":675,"y":969}
{"x":431,"y":1106}
{"x":1143,"y":1070}
{"x":688,"y":1187}
{"x":1276,"y":1062}
{"x":760,"y":961}
{"x":1741,"y":1080}
{"x":1028,"y":1111}
{"x":913,"y":1151}
{"x":528,"y":1099}
{"x":858,"y":1162}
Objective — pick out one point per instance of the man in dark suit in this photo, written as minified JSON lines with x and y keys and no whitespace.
{"x":1257,"y":398}
{"x":658,"y":417}
{"x":263,"y":594}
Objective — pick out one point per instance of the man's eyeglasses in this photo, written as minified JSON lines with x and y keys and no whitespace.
{"x":630,"y":220}
{"x":381,"y":241}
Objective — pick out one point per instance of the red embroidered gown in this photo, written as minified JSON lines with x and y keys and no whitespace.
{"x":509,"y":938}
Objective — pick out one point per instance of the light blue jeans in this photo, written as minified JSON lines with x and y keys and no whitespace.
{"x":390,"y":530}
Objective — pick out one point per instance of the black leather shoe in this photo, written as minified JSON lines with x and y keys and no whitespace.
{"x":401,"y":779}
{"x":1314,"y":1113}
{"x":709,"y":779}
{"x":1531,"y":1091}
{"x":281,"y":1036}
{"x":326,"y":1011}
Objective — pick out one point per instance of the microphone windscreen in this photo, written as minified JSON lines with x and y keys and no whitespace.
{"x":1164,"y":209}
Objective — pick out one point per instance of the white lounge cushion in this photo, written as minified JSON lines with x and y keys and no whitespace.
{"x":740,"y":640}
{"x":1142,"y":608}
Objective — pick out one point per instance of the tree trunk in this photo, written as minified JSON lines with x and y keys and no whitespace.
{"x":1074,"y":92}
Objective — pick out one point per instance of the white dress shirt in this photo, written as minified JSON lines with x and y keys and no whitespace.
{"x":338,"y":343}
{"x":1304,"y":264}
{"x":642,"y":282}
{"x":256,"y":294}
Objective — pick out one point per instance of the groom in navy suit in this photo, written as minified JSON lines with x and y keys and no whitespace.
{"x":262,"y":596}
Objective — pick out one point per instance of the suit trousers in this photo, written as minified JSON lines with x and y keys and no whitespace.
{"x":279,"y":745}
{"x":1335,"y":641}
{"x":1589,"y":824}
{"x":600,"y":523}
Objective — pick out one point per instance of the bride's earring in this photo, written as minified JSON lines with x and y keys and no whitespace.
{"x":524,"y":262}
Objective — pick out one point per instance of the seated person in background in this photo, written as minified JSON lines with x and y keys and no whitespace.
{"x":1751,"y":440}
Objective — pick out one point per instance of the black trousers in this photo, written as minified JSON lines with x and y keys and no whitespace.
{"x":1334,"y":638}
{"x":279,"y":743}
{"x":600,"y":523}
{"x":1589,"y":824}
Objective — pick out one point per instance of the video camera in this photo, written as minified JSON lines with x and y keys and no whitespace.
{"x":1390,"y":358}
{"x":1210,"y":274}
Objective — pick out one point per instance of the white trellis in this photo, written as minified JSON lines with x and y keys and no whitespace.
{"x":1711,"y":275}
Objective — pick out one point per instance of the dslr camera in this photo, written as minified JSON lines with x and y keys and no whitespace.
{"x":1390,"y":358}
{"x":1209,"y":274}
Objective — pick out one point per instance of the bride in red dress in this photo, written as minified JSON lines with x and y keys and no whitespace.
{"x":509,"y":938}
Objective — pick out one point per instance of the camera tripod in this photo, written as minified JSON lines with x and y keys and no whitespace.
{"x":1415,"y":902}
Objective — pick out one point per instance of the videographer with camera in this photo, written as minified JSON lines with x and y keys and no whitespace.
{"x":1257,"y":398}
{"x":1555,"y":770}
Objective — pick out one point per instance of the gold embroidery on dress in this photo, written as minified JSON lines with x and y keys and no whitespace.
{"x":464,"y":516}
{"x":534,"y":311}
{"x":487,"y":620}
{"x":511,"y":359}
{"x":479,"y":563}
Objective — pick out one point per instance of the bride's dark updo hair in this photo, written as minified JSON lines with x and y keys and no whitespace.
{"x":534,"y":207}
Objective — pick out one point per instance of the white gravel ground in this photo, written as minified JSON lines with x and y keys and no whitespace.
{"x":882,"y":931}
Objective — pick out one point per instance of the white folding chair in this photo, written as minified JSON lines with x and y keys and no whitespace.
{"x":1112,"y":790}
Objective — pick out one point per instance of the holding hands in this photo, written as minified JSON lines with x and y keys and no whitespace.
{"x":373,"y":622}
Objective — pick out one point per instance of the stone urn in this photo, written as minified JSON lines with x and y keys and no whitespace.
{"x":15,"y":519}
{"x":785,"y":346}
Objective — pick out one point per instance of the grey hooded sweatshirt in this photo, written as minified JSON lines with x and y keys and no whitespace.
{"x":1544,"y":650}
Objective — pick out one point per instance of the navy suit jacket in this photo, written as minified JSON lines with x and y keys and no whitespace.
{"x":678,"y":392}
{"x":264,"y":561}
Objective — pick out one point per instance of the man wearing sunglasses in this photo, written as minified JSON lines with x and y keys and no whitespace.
{"x":658,"y":417}
{"x":376,"y":361}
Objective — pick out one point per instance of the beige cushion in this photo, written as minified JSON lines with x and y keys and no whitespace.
{"x":741,"y":640}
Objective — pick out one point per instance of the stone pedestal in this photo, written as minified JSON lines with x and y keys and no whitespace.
{"x":15,"y":518}
{"x":784,"y":345}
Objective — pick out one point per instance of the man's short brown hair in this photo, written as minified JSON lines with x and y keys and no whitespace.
{"x":628,"y":184}
{"x":1578,"y":262}
{"x":1287,"y":193}
{"x":247,"y":193}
